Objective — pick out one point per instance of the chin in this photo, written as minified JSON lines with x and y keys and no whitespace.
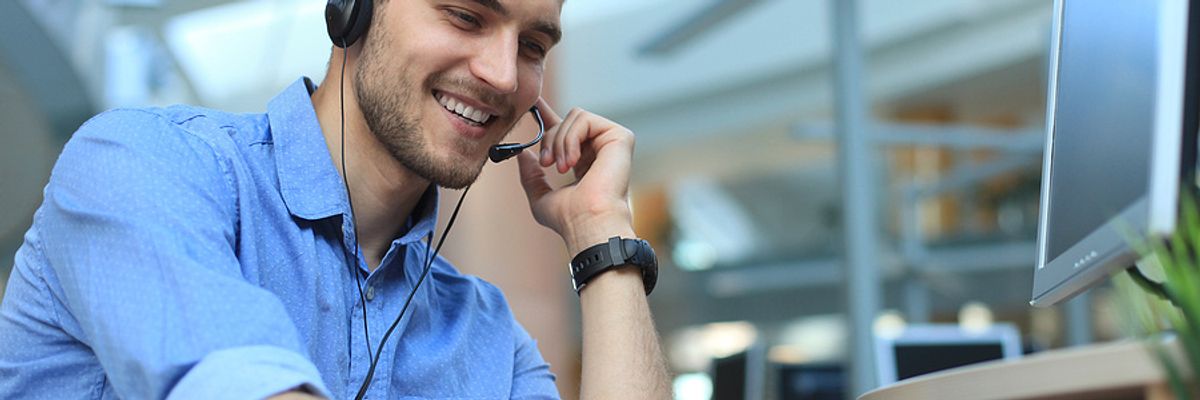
{"x":458,"y":180}
{"x":456,"y":171}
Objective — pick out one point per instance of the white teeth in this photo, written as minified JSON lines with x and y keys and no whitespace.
{"x":470,"y":113}
{"x":475,"y":115}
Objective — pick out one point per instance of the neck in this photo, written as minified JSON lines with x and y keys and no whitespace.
{"x":383,"y":192}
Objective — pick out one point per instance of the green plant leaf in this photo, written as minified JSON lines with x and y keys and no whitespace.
{"x":1175,"y":378}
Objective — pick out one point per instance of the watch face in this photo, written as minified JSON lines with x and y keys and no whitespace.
{"x":653,"y":257}
{"x":650,"y":269}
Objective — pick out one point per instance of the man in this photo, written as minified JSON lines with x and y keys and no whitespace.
{"x":190,"y":253}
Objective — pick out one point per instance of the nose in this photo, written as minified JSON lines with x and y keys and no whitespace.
{"x":496,"y":63}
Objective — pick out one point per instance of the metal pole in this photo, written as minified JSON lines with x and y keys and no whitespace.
{"x":1079,"y":320}
{"x":856,"y":168}
{"x":917,"y":306}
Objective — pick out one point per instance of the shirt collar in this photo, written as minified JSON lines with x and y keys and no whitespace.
{"x":423,"y":218}
{"x":308,"y":181}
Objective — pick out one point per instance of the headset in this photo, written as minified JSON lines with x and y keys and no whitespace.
{"x":346,"y":21}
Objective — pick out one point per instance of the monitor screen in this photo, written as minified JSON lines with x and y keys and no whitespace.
{"x":1104,"y":116}
{"x":741,"y":375}
{"x":920,"y":359}
{"x":1114,"y":148}
{"x":729,"y":377}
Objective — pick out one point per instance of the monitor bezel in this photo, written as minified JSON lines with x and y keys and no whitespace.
{"x":1004,"y":334}
{"x":755,"y":360}
{"x":1107,"y":248}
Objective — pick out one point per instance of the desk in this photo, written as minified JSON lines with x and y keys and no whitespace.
{"x":1121,"y":370}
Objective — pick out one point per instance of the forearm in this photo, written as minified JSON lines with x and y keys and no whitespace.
{"x":622,"y":357}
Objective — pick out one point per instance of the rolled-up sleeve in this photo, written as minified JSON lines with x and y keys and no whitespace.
{"x":139,"y":231}
{"x":532,"y":378}
{"x":248,"y":372}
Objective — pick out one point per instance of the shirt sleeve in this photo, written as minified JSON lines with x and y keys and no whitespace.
{"x":532,"y":378}
{"x":139,"y":227}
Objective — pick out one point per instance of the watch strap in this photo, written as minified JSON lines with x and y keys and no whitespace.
{"x":616,"y":252}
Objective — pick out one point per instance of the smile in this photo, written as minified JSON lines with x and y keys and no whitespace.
{"x":469,"y":114}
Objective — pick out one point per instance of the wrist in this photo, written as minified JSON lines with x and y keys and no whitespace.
{"x":594,"y":229}
{"x":581,"y":240}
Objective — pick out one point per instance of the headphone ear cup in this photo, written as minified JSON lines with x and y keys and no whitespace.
{"x":337,"y":17}
{"x":347,"y":20}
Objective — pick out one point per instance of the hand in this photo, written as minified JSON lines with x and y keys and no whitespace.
{"x":595,"y":207}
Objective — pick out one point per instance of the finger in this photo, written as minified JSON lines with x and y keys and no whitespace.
{"x":561,"y":137}
{"x":579,"y":131}
{"x":550,"y":153}
{"x":610,"y":145}
{"x":533,"y":178}
{"x":586,"y":129}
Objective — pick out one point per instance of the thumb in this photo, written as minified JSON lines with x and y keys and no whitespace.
{"x":533,"y":178}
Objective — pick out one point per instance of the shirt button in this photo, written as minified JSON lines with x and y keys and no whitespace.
{"x":370,"y":293}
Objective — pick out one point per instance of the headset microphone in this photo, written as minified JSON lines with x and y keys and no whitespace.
{"x":505,"y":151}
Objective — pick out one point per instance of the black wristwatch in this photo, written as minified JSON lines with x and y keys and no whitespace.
{"x":616,"y":252}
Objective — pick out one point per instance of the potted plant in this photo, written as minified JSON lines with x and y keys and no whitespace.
{"x":1165,"y":308}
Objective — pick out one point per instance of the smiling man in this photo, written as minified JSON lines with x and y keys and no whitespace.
{"x":190,"y":253}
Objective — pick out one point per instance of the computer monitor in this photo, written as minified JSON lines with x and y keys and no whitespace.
{"x":740,"y":376}
{"x":1121,"y":120}
{"x":922,"y":349}
{"x":811,"y":382}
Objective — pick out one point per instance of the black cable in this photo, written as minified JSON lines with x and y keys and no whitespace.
{"x":362,"y":390}
{"x":373,"y":355}
{"x":346,"y":181}
{"x":1150,"y":285}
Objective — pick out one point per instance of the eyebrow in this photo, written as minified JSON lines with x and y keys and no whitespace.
{"x":494,"y":5}
{"x":549,"y":29}
{"x":546,"y":27}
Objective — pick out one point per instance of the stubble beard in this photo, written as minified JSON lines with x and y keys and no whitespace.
{"x":385,"y":102}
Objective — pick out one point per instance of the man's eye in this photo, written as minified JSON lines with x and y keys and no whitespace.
{"x":535,"y":48}
{"x":464,"y":19}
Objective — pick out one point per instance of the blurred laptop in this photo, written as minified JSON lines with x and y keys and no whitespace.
{"x":921,"y":349}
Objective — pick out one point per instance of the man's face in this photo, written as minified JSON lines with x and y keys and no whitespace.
{"x":441,"y":81}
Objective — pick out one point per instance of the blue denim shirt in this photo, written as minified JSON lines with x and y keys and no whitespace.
{"x":191,"y":253}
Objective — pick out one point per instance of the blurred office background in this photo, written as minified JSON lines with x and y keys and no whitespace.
{"x":737,"y":179}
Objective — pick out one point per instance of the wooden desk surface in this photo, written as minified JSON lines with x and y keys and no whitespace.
{"x":1120,"y":370}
